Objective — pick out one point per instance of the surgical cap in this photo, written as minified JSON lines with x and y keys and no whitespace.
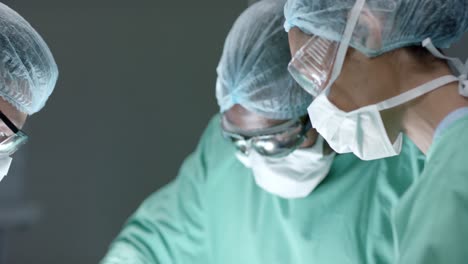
{"x":253,"y":68}
{"x":400,"y":23}
{"x":28,"y":72}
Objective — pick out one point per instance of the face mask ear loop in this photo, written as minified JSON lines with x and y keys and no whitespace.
{"x":457,"y":64}
{"x":344,"y":44}
{"x":416,"y":92}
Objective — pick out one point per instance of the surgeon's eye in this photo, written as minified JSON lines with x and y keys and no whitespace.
{"x":241,"y":145}
{"x":266,"y":146}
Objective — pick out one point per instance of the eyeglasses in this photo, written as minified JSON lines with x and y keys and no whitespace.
{"x":9,"y":144}
{"x":312,"y":64}
{"x":278,"y":141}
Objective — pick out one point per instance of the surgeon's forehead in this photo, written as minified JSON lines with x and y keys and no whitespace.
{"x":247,"y":120}
{"x":14,"y":115}
{"x":297,"y":39}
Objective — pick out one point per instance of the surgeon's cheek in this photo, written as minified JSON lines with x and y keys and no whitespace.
{"x":311,"y":138}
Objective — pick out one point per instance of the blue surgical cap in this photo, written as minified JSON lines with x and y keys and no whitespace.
{"x":28,"y":72}
{"x":399,"y":23}
{"x":253,"y":68}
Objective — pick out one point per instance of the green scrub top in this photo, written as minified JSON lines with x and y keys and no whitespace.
{"x":431,"y":220}
{"x":213,"y":213}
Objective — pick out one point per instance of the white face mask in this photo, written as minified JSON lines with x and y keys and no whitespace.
{"x":362,"y":131}
{"x":293,"y":176}
{"x":4,"y":166}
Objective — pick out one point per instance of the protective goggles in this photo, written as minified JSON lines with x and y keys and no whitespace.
{"x":11,"y":142}
{"x":312,"y":64}
{"x":277,"y":141}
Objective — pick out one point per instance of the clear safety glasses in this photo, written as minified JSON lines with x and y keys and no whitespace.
{"x":312,"y":64}
{"x":278,"y":141}
{"x":11,"y":142}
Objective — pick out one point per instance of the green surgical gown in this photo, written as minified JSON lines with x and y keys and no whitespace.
{"x":214,"y":213}
{"x":431,"y":220}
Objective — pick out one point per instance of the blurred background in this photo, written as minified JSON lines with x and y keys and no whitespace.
{"x":135,"y":91}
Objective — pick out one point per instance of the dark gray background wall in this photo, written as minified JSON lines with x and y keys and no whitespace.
{"x":136,"y":90}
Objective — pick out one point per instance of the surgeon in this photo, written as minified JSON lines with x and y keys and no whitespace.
{"x":28,"y":74}
{"x":262,"y":186}
{"x":378,"y":73}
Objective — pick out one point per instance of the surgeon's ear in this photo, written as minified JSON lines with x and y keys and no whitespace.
{"x":372,"y":26}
